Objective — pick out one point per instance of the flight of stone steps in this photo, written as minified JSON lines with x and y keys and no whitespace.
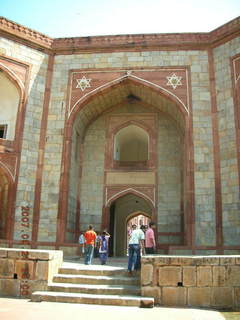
{"x":103,"y":285}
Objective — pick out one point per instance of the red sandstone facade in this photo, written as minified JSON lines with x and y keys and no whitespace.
{"x":139,"y":83}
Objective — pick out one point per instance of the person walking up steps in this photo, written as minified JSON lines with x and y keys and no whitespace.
{"x":90,"y":240}
{"x":136,"y":242}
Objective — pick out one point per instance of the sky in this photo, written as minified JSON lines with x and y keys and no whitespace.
{"x":76,"y":18}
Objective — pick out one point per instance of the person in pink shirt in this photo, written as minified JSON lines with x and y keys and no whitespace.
{"x":150,"y":243}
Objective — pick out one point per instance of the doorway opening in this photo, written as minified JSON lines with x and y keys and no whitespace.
{"x":124,"y":212}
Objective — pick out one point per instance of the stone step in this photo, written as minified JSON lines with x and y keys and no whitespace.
{"x":87,"y":271}
{"x":95,"y":289}
{"x":92,"y":279}
{"x":84,"y":298}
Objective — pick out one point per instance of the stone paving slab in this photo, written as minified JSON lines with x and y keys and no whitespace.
{"x":22,"y":309}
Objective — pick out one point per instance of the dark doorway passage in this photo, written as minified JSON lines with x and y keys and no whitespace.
{"x":122,"y":211}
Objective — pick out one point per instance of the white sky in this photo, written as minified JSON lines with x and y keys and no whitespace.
{"x":72,"y":18}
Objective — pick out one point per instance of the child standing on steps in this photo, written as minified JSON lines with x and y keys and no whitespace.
{"x":103,"y":247}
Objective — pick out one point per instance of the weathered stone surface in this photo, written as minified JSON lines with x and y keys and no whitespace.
{"x":237,"y":297}
{"x":42,"y":270}
{"x":199,"y":297}
{"x":174,"y":296}
{"x":24,"y":269}
{"x":154,"y":292}
{"x":10,"y":287}
{"x":6,"y":268}
{"x":219,"y":276}
{"x":222,"y":297}
{"x":3,"y":253}
{"x":169,"y":276}
{"x":146,"y":274}
{"x":204,"y":276}
{"x":232,"y":276}
{"x":189,"y":276}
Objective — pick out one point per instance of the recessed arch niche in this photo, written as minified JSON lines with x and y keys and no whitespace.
{"x":73,"y":213}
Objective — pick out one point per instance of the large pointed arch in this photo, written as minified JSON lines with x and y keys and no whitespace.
{"x":91,"y":106}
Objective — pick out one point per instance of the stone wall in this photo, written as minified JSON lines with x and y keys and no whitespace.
{"x":92,"y":179}
{"x":32,"y":124}
{"x":193,"y":281}
{"x":227,"y":134}
{"x":24,"y":271}
{"x":170,"y":184}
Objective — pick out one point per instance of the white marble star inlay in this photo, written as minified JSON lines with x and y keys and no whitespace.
{"x":174,"y":81}
{"x":83,"y":83}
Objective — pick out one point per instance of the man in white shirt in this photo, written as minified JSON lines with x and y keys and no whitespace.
{"x":136,"y":242}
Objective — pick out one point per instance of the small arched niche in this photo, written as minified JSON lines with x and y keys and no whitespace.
{"x":131,"y":145}
{"x":9,"y":101}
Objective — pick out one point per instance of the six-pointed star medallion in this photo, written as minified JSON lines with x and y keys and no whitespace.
{"x":83,"y":83}
{"x":174,"y":81}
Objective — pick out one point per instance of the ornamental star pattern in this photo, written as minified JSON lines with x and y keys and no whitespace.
{"x":83,"y":83}
{"x":174,"y":81}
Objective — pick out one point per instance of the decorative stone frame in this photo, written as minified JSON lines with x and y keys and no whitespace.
{"x":114,"y":79}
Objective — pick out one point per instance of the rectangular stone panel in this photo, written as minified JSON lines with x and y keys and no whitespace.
{"x":174,"y":296}
{"x":170,"y":276}
{"x":10,"y":287}
{"x":189,"y":276}
{"x":6,"y":268}
{"x":223,"y":297}
{"x":204,"y":276}
{"x":24,"y":269}
{"x":130,"y":178}
{"x":199,"y":297}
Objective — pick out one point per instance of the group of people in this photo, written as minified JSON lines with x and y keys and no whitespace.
{"x":141,"y":241}
{"x":89,"y":241}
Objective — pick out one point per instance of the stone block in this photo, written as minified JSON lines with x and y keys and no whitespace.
{"x":210,"y":261}
{"x":227,"y":261}
{"x":10,"y":287}
{"x":222,"y":297}
{"x":6,"y":268}
{"x":232,"y":276}
{"x":3,"y":253}
{"x":181,"y":261}
{"x":219,"y":276}
{"x":42,"y":270}
{"x":24,"y":269}
{"x":14,"y":254}
{"x":174,"y":296}
{"x":154,"y":292}
{"x":146,"y":274}
{"x":204,"y":276}
{"x":40,"y":255}
{"x":170,"y":276}
{"x":161,"y":261}
{"x":237,"y":297}
{"x":189,"y":276}
{"x":199,"y":297}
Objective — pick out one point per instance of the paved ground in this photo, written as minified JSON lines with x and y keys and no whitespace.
{"x":24,"y":309}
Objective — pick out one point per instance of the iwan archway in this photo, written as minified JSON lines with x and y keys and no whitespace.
{"x":91,"y":179}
